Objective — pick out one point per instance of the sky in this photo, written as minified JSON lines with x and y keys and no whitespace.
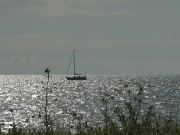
{"x":111,"y":37}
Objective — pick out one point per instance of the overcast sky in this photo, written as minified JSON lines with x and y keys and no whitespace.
{"x":118,"y":37}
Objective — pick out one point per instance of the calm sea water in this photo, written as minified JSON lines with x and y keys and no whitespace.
{"x":22,"y":97}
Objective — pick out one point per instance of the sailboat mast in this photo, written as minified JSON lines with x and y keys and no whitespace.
{"x":74,"y":63}
{"x":76,"y":76}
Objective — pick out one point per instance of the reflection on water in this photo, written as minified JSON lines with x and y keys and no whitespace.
{"x":25,"y":96}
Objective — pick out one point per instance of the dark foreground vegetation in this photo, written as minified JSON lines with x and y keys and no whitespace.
{"x":134,"y":118}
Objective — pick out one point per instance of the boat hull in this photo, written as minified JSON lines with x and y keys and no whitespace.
{"x":77,"y":78}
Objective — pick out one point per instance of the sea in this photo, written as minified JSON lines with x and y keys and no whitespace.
{"x":23,"y":98}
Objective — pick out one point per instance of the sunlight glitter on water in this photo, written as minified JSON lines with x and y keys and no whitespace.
{"x":25,"y":96}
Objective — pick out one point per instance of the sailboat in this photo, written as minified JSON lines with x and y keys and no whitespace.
{"x":76,"y":76}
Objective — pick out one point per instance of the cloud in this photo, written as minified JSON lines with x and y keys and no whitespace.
{"x":47,"y":43}
{"x":6,"y":2}
{"x":34,"y":42}
{"x":2,"y":19}
{"x":27,"y":53}
{"x":55,"y":8}
{"x":170,"y":36}
{"x":21,"y":64}
{"x":127,"y":66}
